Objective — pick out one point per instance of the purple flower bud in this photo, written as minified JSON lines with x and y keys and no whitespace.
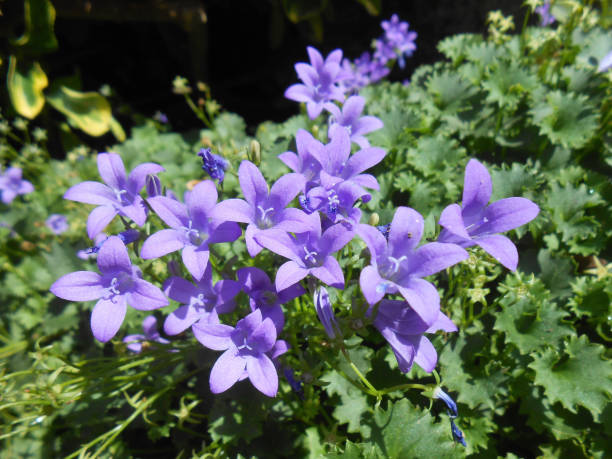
{"x":153,"y":185}
{"x":457,"y":434}
{"x":57,"y":223}
{"x":214,"y":165}
{"x":450,"y":403}
{"x":296,"y":386}
{"x":325,"y":312}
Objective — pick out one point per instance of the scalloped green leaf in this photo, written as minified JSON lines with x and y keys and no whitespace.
{"x":403,"y":430}
{"x":450,"y":92}
{"x":579,"y":377}
{"x":507,"y":84}
{"x":25,"y":84}
{"x":528,"y":318}
{"x":565,"y":118}
{"x":353,"y":404}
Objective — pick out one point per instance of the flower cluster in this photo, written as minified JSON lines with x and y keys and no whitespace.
{"x":307,"y":217}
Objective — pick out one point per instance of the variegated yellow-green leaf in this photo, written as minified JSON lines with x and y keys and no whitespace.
{"x":117,"y":130}
{"x":25,"y":86}
{"x":88,"y":111}
{"x":39,"y":19}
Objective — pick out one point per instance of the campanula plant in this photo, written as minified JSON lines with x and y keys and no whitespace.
{"x":393,"y":261}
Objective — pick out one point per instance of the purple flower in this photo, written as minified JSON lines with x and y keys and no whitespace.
{"x":160,"y":117}
{"x":201,"y":302}
{"x":350,"y":118}
{"x":264,"y":296}
{"x":192,"y":228}
{"x":57,"y":223}
{"x":325,"y":311}
{"x":605,"y":63}
{"x":337,"y":163}
{"x":320,"y":80}
{"x":403,"y":329}
{"x":120,"y":195}
{"x":12,"y":185}
{"x":546,"y":18}
{"x":399,"y":38}
{"x":305,"y":161}
{"x":263,"y":208}
{"x":214,"y":165}
{"x":309,"y":253}
{"x":249,"y":351}
{"x":119,"y":284}
{"x":397,"y":265}
{"x":476,"y":223}
{"x":335,"y":204}
{"x":149,"y":327}
{"x":384,"y":51}
{"x":127,"y":237}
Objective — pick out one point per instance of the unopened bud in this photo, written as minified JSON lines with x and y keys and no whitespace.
{"x":254,"y":153}
{"x":374,"y":219}
{"x":153,"y":185}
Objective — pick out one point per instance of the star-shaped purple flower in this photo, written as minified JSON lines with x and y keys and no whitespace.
{"x":403,"y":329}
{"x":399,"y":38}
{"x":264,"y":296}
{"x":309,"y":253}
{"x":119,"y":195}
{"x":320,"y":81}
{"x":476,"y":223}
{"x":249,"y":352}
{"x":263,"y":208}
{"x":350,"y":118}
{"x":57,"y":223}
{"x":12,"y":185}
{"x":201,"y":302}
{"x":118,"y":284}
{"x":305,"y":161}
{"x":337,"y":163}
{"x":193,"y":227}
{"x":397,"y":265}
{"x":336,"y":204}
{"x":150,"y":333}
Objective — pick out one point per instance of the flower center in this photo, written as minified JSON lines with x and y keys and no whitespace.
{"x":310,"y":258}
{"x":332,"y":203}
{"x":265,"y":217}
{"x":119,"y":284}
{"x":193,"y":235}
{"x":390,"y":269}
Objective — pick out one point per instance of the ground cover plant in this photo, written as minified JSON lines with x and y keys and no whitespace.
{"x":414,"y":269}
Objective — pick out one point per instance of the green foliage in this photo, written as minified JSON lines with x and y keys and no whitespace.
{"x":529,"y":367}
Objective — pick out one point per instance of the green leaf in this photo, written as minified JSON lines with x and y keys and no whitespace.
{"x":507,"y":84}
{"x":478,"y":385}
{"x":403,"y":431}
{"x":578,"y":377}
{"x":565,"y":118}
{"x":38,"y":37}
{"x":25,"y":84}
{"x":450,"y":92}
{"x":456,"y":46}
{"x":88,"y":111}
{"x":557,"y":273}
{"x":529,"y":319}
{"x":353,"y":403}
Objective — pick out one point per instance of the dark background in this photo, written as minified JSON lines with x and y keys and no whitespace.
{"x":244,"y":49}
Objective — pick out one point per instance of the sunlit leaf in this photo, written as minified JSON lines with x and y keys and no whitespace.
{"x":88,"y":111}
{"x":25,"y":83}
